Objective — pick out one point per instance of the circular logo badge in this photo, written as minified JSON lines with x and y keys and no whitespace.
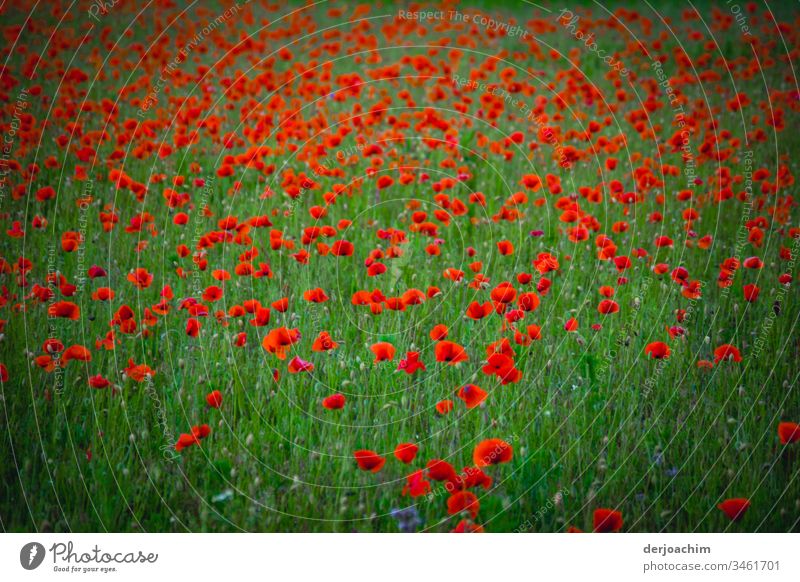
{"x":31,"y":555}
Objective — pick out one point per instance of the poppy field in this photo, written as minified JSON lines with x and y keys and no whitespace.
{"x":390,"y":267}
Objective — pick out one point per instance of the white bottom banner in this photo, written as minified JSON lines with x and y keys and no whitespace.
{"x":354,"y":557}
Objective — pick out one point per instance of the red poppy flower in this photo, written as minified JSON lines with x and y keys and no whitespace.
{"x":528,"y":301}
{"x":64,"y":309}
{"x":439,"y":470}
{"x":138,"y":372}
{"x":477,"y":311}
{"x":214,"y":399}
{"x":475,"y":477}
{"x":472,"y":395}
{"x":751,"y":293}
{"x":439,"y":332}
{"x":75,"y":352}
{"x":416,"y":485}
{"x":727,"y":352}
{"x":607,"y":306}
{"x":98,"y":382}
{"x":411,"y":363}
{"x":657,"y":350}
{"x":52,"y":346}
{"x":184,"y":441}
{"x":384,"y":351}
{"x":500,"y":365}
{"x":315,"y":295}
{"x":281,"y":305}
{"x":376,"y":269}
{"x":103,"y":294}
{"x":385,"y":182}
{"x":444,"y":407}
{"x":450,"y":352}
{"x":212,"y":293}
{"x":504,"y":293}
{"x":297,"y":365}
{"x":753,"y":263}
{"x":789,"y":432}
{"x":505,"y":247}
{"x":342,"y":248}
{"x":324,"y":343}
{"x":463,"y":501}
{"x":140,"y":278}
{"x":334,"y":401}
{"x":405,"y":452}
{"x":192,"y":327}
{"x":279,"y":340}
